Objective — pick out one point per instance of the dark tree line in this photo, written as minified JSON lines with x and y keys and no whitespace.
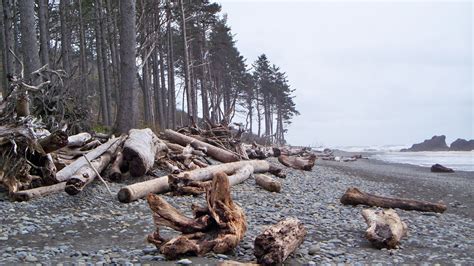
{"x":161,"y":64}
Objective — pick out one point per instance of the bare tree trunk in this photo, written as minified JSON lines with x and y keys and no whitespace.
{"x":158,"y":93}
{"x":9,"y":36}
{"x":3,"y":53}
{"x":127,"y":113}
{"x":187,"y":80}
{"x":112,"y":40}
{"x":100,"y":69}
{"x":171,"y":88}
{"x":65,"y":35}
{"x":28,"y":38}
{"x":83,"y":56}
{"x":163,"y":90}
{"x":147,"y":98}
{"x":44,"y":31}
{"x":105,"y":60}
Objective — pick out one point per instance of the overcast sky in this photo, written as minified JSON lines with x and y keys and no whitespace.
{"x":366,"y":73}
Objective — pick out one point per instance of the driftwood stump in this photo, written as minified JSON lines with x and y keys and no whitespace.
{"x":354,"y":196}
{"x":300,"y":163}
{"x":278,"y":241}
{"x":219,"y":227}
{"x":139,"y":151}
{"x":385,"y":228}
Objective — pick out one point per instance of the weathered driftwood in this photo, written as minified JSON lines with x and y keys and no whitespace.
{"x":354,"y":196}
{"x":86,"y":174}
{"x":218,"y":227}
{"x":268,"y":183}
{"x":139,"y":151}
{"x":65,"y":173}
{"x":78,"y":140}
{"x":301,"y":163}
{"x":386,"y":229}
{"x":118,"y":168}
{"x":217,"y":153}
{"x":54,"y":141}
{"x":90,"y":145}
{"x":160,"y":185}
{"x":25,"y":195}
{"x":186,"y":186}
{"x":278,"y":241}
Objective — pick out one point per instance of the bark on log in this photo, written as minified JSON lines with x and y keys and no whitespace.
{"x":139,"y":151}
{"x":386,"y":229}
{"x":25,"y":195}
{"x":54,"y":141}
{"x":218,"y":228}
{"x":300,"y":163}
{"x":186,"y":186}
{"x":65,"y":173}
{"x":91,"y":145}
{"x":268,"y":183}
{"x":354,"y":196}
{"x":87,"y":174}
{"x":278,"y":241}
{"x":160,"y":185}
{"x":217,"y":153}
{"x":78,"y":140}
{"x":118,"y":168}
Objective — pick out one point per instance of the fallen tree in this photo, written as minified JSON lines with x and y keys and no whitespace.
{"x":217,"y":153}
{"x":161,"y":184}
{"x":29,"y":194}
{"x":218,"y":227}
{"x":54,"y":141}
{"x":386,"y":229}
{"x":354,"y":196}
{"x":300,"y":163}
{"x":278,"y":241}
{"x":79,"y":140}
{"x":268,"y":183}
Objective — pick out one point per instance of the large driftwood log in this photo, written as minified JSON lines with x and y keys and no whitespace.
{"x":186,"y":186}
{"x":54,"y":141}
{"x":87,"y":174}
{"x":217,"y":153}
{"x":65,"y":173}
{"x":354,"y":196}
{"x":278,"y":241}
{"x":217,"y":228}
{"x":160,"y":185}
{"x":300,"y":163}
{"x":78,"y":140}
{"x":139,"y":151}
{"x":386,"y":229}
{"x":268,"y":183}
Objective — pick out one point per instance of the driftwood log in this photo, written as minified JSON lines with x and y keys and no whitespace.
{"x":118,"y":168}
{"x":78,"y":140}
{"x":161,"y":185}
{"x":354,"y":196}
{"x":300,"y":163}
{"x":278,"y":241}
{"x":268,"y":183}
{"x":386,"y":229}
{"x":65,"y":173}
{"x":218,"y":227}
{"x":217,"y":153}
{"x":29,"y":194}
{"x":86,"y":174}
{"x":54,"y":141}
{"x":139,"y":151}
{"x":186,"y":186}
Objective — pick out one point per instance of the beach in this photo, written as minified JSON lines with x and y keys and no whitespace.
{"x":88,"y":228}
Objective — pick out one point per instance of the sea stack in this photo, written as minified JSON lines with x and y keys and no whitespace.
{"x":462,"y":145}
{"x":436,"y":143}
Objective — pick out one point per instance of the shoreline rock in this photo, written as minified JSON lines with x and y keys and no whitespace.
{"x":462,"y":145}
{"x":436,"y":143}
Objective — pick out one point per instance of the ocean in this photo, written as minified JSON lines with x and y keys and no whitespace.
{"x":458,"y":160}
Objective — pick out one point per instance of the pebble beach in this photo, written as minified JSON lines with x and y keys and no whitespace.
{"x":93,"y":227}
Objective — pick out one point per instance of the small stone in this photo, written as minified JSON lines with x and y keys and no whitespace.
{"x":184,"y":262}
{"x":311,"y":262}
{"x":31,"y":258}
{"x":4,"y":238}
{"x":148,"y":250}
{"x":314,"y":249}
{"x":222,"y":256}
